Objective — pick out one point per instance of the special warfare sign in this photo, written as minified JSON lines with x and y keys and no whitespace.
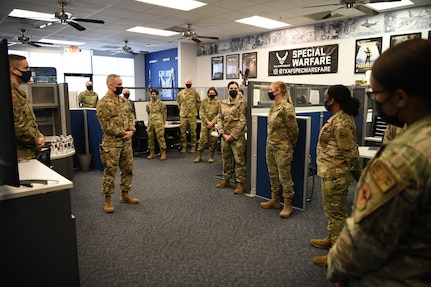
{"x":312,"y":60}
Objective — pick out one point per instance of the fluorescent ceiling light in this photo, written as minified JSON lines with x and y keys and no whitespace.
{"x":61,"y":42}
{"x":31,"y":15}
{"x":185,"y":5}
{"x":262,"y":22}
{"x":389,"y":5}
{"x":152,"y":31}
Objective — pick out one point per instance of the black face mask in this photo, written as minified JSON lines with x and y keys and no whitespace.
{"x":233,"y":93}
{"x":188,"y":86}
{"x":25,"y":75}
{"x":126,"y":96}
{"x":90,"y":88}
{"x":393,"y":120}
{"x":212,"y":96}
{"x":118,"y":90}
{"x":271,"y":96}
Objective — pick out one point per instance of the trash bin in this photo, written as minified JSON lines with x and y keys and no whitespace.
{"x":84,"y":161}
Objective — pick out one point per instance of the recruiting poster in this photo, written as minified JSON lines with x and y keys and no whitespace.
{"x":303,"y":61}
{"x":367,"y":51}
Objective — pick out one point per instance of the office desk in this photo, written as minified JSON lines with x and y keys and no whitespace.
{"x":367,"y":152}
{"x":38,"y":230}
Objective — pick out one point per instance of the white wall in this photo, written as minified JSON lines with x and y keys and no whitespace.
{"x":187,"y":64}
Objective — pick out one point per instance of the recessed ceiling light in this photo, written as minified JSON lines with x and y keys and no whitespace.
{"x":185,"y":5}
{"x":31,"y":15}
{"x":62,"y":42}
{"x":152,"y":31}
{"x":389,"y":5}
{"x":262,"y":22}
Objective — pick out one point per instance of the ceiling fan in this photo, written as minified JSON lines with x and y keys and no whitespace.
{"x":66,"y":18}
{"x":189,"y":34}
{"x":24,"y":40}
{"x":126,"y":49}
{"x":356,"y":4}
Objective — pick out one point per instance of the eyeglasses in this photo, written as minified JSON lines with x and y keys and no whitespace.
{"x":372,"y":94}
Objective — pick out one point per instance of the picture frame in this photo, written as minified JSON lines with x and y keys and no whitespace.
{"x":366,"y":52}
{"x":232,"y":66}
{"x":217,"y":68}
{"x":429,"y":35}
{"x":396,"y":39}
{"x":249,"y":60}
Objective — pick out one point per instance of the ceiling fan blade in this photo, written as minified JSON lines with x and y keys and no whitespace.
{"x":43,"y":43}
{"x":323,"y":5}
{"x":89,"y":20}
{"x":47,"y":24}
{"x":378,"y":1}
{"x":366,"y":10}
{"x":34,"y":44}
{"x":76,"y":25}
{"x":196,"y":40}
{"x":208,"y":37}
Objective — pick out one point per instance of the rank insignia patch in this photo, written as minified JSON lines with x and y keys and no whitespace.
{"x":382,"y":175}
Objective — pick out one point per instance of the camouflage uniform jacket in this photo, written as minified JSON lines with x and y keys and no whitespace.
{"x":232,"y":117}
{"x":209,"y":110}
{"x":387,"y":239}
{"x":337,"y":149}
{"x":115,"y":118}
{"x":188,"y":103}
{"x":157,"y":112}
{"x":392,"y":132}
{"x":26,"y":130}
{"x":88,"y":99}
{"x":282,"y":126}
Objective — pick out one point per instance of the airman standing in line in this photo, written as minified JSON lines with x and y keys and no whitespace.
{"x":157,"y":114}
{"x":88,"y":98}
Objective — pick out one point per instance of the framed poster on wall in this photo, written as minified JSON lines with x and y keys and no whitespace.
{"x":367,"y":51}
{"x":232,"y":66}
{"x":249,"y":61}
{"x":217,"y":68}
{"x":396,"y":39}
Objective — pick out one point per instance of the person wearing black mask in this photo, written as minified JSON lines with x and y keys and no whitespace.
{"x":231,"y":125}
{"x":88,"y":98}
{"x":29,"y":139}
{"x":118,"y":125}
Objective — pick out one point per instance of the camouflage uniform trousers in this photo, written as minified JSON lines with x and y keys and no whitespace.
{"x":156,"y":131}
{"x":335,"y":202}
{"x":189,"y":123}
{"x":203,"y":138}
{"x":234,"y":150}
{"x":279,"y":162}
{"x":112,"y":158}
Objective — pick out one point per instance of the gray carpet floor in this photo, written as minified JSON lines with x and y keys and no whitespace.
{"x":186,"y":232}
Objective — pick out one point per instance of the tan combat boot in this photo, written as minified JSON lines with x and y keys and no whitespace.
{"x":193,"y":149}
{"x":183,"y":149}
{"x":287,"y":208}
{"x":126,"y":198}
{"x":162,"y":154}
{"x":274,"y":202}
{"x":152,"y":154}
{"x":211,"y":159}
{"x":108,"y":208}
{"x":322,"y":243}
{"x":199,"y":157}
{"x":223,"y":184}
{"x":239,"y":188}
{"x":321,"y":260}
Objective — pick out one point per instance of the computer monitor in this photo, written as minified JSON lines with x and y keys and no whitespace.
{"x":173,"y":114}
{"x":8,"y":156}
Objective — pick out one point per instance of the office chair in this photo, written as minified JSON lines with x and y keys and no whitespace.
{"x":313,"y":171}
{"x":140,"y":147}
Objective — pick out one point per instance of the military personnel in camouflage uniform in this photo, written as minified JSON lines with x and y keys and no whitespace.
{"x":337,"y":161}
{"x":157,"y":114}
{"x":29,"y":139}
{"x":280,"y":143}
{"x":208,"y":114}
{"x":231,"y":124}
{"x":88,"y":98}
{"x":392,"y":131}
{"x":387,"y":239}
{"x":189,"y":102}
{"x":118,"y":125}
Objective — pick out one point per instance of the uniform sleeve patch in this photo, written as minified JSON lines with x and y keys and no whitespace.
{"x":382,"y":175}
{"x":344,"y":134}
{"x":363,"y":196}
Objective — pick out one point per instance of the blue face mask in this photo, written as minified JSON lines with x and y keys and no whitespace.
{"x":25,"y":75}
{"x":327,"y":107}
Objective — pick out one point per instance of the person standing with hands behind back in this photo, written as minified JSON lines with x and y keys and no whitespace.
{"x":338,"y":162}
{"x":231,"y":124}
{"x":88,"y":98}
{"x":118,"y":125}
{"x":189,"y":102}
{"x":282,"y":137}
{"x":29,"y":139}
{"x":157,"y":114}
{"x":387,"y":239}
